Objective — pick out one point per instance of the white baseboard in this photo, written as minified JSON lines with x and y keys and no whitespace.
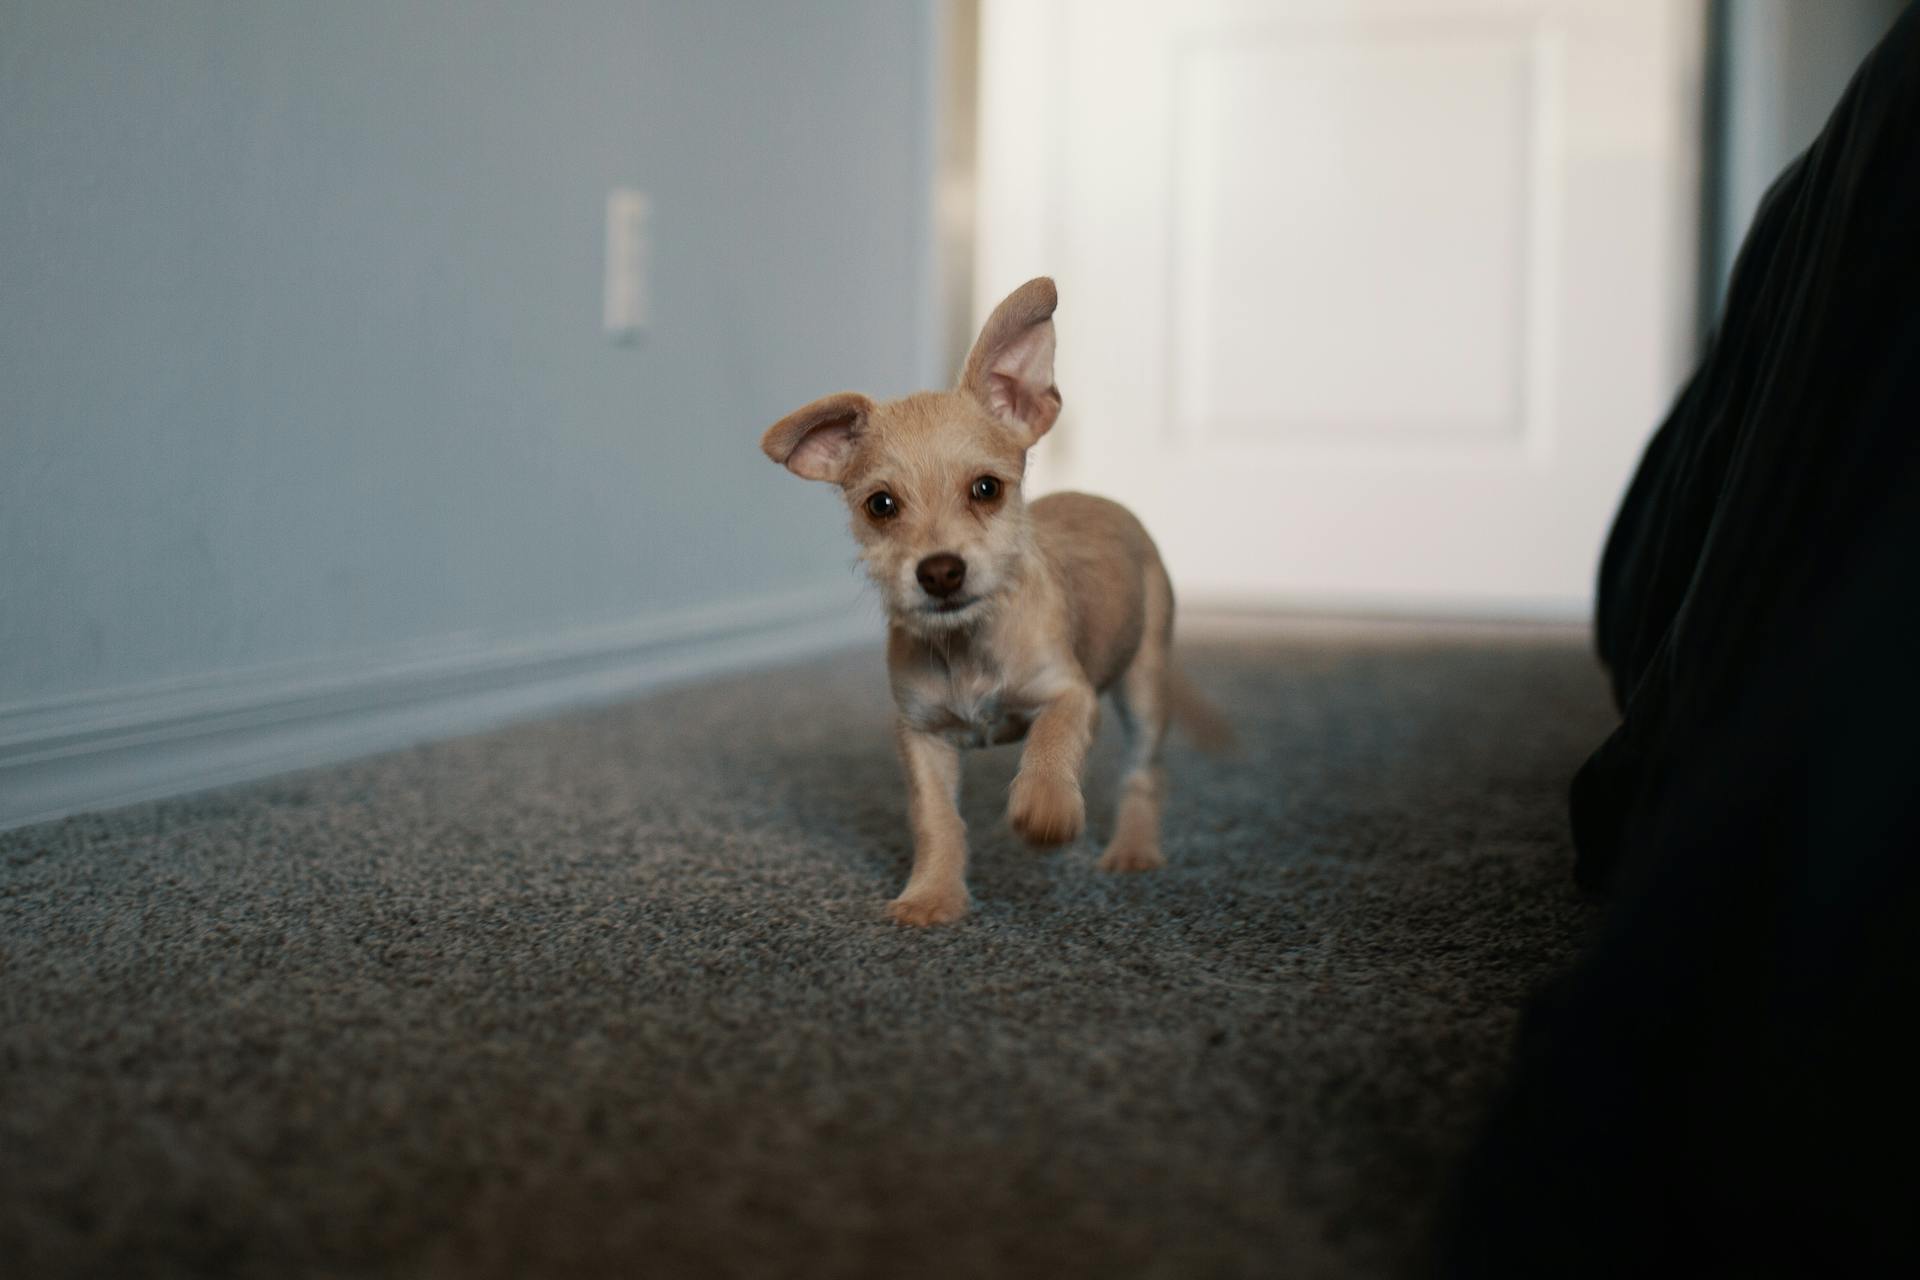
{"x":1238,"y":621}
{"x":1572,"y":611}
{"x":102,"y":750}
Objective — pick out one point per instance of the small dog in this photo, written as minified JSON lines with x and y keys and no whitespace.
{"x":1006,"y":620}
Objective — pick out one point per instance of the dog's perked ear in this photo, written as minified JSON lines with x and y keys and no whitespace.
{"x":815,"y":441}
{"x":1011,"y":368}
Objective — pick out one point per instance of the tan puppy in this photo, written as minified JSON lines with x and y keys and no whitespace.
{"x":1006,"y":620}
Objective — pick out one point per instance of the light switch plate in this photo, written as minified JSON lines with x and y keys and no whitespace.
{"x":628,"y":251}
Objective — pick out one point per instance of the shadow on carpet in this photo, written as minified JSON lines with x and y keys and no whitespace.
{"x":613,"y":994}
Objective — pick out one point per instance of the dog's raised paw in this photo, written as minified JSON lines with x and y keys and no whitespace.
{"x":1131,"y":855}
{"x":1046,"y":810}
{"x":921,"y":908}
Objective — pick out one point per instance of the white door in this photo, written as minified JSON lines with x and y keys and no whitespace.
{"x":1364,"y":303}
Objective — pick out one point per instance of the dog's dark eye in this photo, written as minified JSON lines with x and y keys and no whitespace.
{"x":985,"y":489}
{"x":883,"y":506}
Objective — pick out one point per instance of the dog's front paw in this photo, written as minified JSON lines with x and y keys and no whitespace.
{"x":1132,"y":854}
{"x":1046,"y":809}
{"x":924,"y":906}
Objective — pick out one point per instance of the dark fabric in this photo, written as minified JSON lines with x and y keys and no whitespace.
{"x":1725,"y":1084}
{"x":1766,"y":480}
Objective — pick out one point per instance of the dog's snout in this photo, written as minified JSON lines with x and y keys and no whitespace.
{"x":940,"y":576}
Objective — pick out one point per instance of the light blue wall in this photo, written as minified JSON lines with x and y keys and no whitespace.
{"x":300,"y":302}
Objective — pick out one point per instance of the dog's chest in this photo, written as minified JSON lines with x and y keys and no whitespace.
{"x":969,"y":706}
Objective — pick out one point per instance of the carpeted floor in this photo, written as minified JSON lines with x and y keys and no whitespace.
{"x":613,"y":994}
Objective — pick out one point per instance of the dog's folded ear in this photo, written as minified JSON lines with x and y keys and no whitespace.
{"x":816,"y":441}
{"x":1011,"y":368}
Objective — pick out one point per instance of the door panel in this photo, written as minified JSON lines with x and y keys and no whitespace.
{"x":1364,"y":304}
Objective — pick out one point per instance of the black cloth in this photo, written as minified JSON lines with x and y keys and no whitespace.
{"x":1727,"y":1083}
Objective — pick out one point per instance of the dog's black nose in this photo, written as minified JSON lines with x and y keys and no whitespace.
{"x":940,"y":576}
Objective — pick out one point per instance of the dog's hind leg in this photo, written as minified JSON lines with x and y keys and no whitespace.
{"x":1144,"y":698}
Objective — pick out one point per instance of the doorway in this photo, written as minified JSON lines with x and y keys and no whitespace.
{"x":1366,"y":305}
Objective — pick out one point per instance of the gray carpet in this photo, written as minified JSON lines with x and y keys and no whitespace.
{"x":613,"y":994}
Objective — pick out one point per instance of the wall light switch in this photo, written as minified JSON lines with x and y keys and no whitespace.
{"x":625,"y":289}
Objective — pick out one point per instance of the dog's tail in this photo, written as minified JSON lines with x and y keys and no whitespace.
{"x":1204,"y":724}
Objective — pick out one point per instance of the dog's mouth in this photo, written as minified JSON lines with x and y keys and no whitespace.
{"x":949,"y":608}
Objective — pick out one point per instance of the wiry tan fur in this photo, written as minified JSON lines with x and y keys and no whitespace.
{"x":1064,"y":599}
